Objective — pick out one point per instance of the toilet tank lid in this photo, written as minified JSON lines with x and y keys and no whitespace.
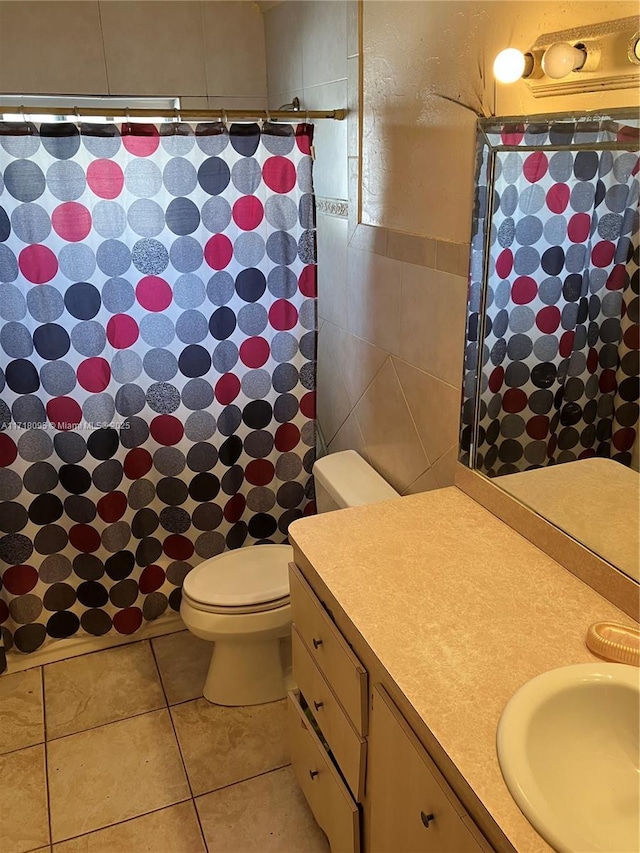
{"x":256,"y":574}
{"x":350,"y":481}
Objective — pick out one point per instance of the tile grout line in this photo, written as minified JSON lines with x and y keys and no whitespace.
{"x":177,"y":739}
{"x":242,"y":781}
{"x":107,"y":723}
{"x":71,"y":657}
{"x":120,"y":822}
{"x":46,"y":757}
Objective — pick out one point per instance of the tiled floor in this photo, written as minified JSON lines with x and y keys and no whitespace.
{"x":117,"y":752}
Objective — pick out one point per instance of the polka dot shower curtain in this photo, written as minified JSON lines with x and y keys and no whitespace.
{"x":560,"y":376}
{"x":157,"y":355}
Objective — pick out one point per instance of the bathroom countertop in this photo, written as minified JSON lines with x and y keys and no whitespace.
{"x":460,"y":610}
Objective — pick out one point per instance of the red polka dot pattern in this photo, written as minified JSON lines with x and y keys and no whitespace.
{"x":157,"y":349}
{"x":560,"y":372}
{"x":38,"y":264}
{"x":105,"y":178}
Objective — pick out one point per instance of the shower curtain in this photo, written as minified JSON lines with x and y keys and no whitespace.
{"x":157,"y":362}
{"x":560,"y":379}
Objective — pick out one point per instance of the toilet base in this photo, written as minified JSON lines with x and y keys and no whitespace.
{"x":246,"y":673}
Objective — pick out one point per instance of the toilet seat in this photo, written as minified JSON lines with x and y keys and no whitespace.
{"x":246,"y":580}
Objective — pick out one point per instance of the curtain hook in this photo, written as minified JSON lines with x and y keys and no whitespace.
{"x":24,"y":119}
{"x":176,"y":115}
{"x":224,"y":117}
{"x":76,"y":113}
{"x":126,"y":115}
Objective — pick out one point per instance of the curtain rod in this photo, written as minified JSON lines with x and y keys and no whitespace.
{"x":179,"y":115}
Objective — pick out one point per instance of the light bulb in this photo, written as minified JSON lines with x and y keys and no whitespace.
{"x":561,"y":59}
{"x":509,"y":65}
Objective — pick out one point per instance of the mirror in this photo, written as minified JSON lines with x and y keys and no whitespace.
{"x":551,"y":386}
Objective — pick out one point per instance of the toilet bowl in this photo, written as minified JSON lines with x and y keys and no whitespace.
{"x":239,"y":600}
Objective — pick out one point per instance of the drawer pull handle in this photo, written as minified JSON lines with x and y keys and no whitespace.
{"x":316,"y":643}
{"x":318,"y":705}
{"x":426,"y":818}
{"x":313,"y":774}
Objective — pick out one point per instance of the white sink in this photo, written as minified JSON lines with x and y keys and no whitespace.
{"x":569,"y":749}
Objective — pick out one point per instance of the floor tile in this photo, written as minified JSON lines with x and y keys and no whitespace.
{"x":123,"y":770}
{"x":21,"y":704}
{"x":183,"y":661}
{"x":172,"y":830}
{"x":267,"y":814}
{"x":91,"y":690}
{"x":225,"y":745}
{"x":23,"y":801}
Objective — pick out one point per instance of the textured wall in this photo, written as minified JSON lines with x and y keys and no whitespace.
{"x":392,"y":304}
{"x":424,"y":62}
{"x":389,"y":366}
{"x":197,"y":50}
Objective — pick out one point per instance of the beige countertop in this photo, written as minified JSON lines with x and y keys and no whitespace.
{"x":461,"y":611}
{"x":597,"y":501}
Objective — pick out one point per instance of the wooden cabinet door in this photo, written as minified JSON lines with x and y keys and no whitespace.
{"x":411,"y":810}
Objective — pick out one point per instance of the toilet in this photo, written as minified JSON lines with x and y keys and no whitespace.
{"x":239,"y":600}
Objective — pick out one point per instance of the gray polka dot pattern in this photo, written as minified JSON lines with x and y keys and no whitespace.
{"x":559,"y":360}
{"x":152,"y":317}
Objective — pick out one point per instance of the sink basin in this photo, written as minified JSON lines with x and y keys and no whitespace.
{"x":568,"y":750}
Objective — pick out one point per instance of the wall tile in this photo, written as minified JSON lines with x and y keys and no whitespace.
{"x":412,"y":249}
{"x":283,"y":39}
{"x":353,"y":26}
{"x":369,"y":238}
{"x":52,"y":47}
{"x":373,"y":298}
{"x":425,"y":483}
{"x":360,"y":361}
{"x":228,"y":28}
{"x":353,"y":88}
{"x":332,"y":269}
{"x":255,"y":103}
{"x":434,"y":405}
{"x":333,"y":399}
{"x":330,"y":140}
{"x":453,"y":257}
{"x":154,"y":48}
{"x":349,"y":437}
{"x":324,"y":41}
{"x":432,"y":322}
{"x":354,"y":198}
{"x":392,"y":443}
{"x":445,"y":467}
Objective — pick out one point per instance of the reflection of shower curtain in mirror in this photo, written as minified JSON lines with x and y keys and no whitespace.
{"x":561,"y":338}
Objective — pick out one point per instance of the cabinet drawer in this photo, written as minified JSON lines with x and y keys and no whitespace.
{"x":412,"y":807}
{"x":347,"y":746}
{"x":330,"y":801}
{"x":328,"y":648}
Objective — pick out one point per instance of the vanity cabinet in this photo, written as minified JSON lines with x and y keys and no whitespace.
{"x":412,"y":808}
{"x":367,"y":778}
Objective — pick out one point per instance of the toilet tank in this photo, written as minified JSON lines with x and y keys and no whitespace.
{"x":344,"y":479}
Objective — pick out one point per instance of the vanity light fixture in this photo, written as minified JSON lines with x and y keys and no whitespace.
{"x":512,"y":64}
{"x":562,"y":58}
{"x":583,"y":60}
